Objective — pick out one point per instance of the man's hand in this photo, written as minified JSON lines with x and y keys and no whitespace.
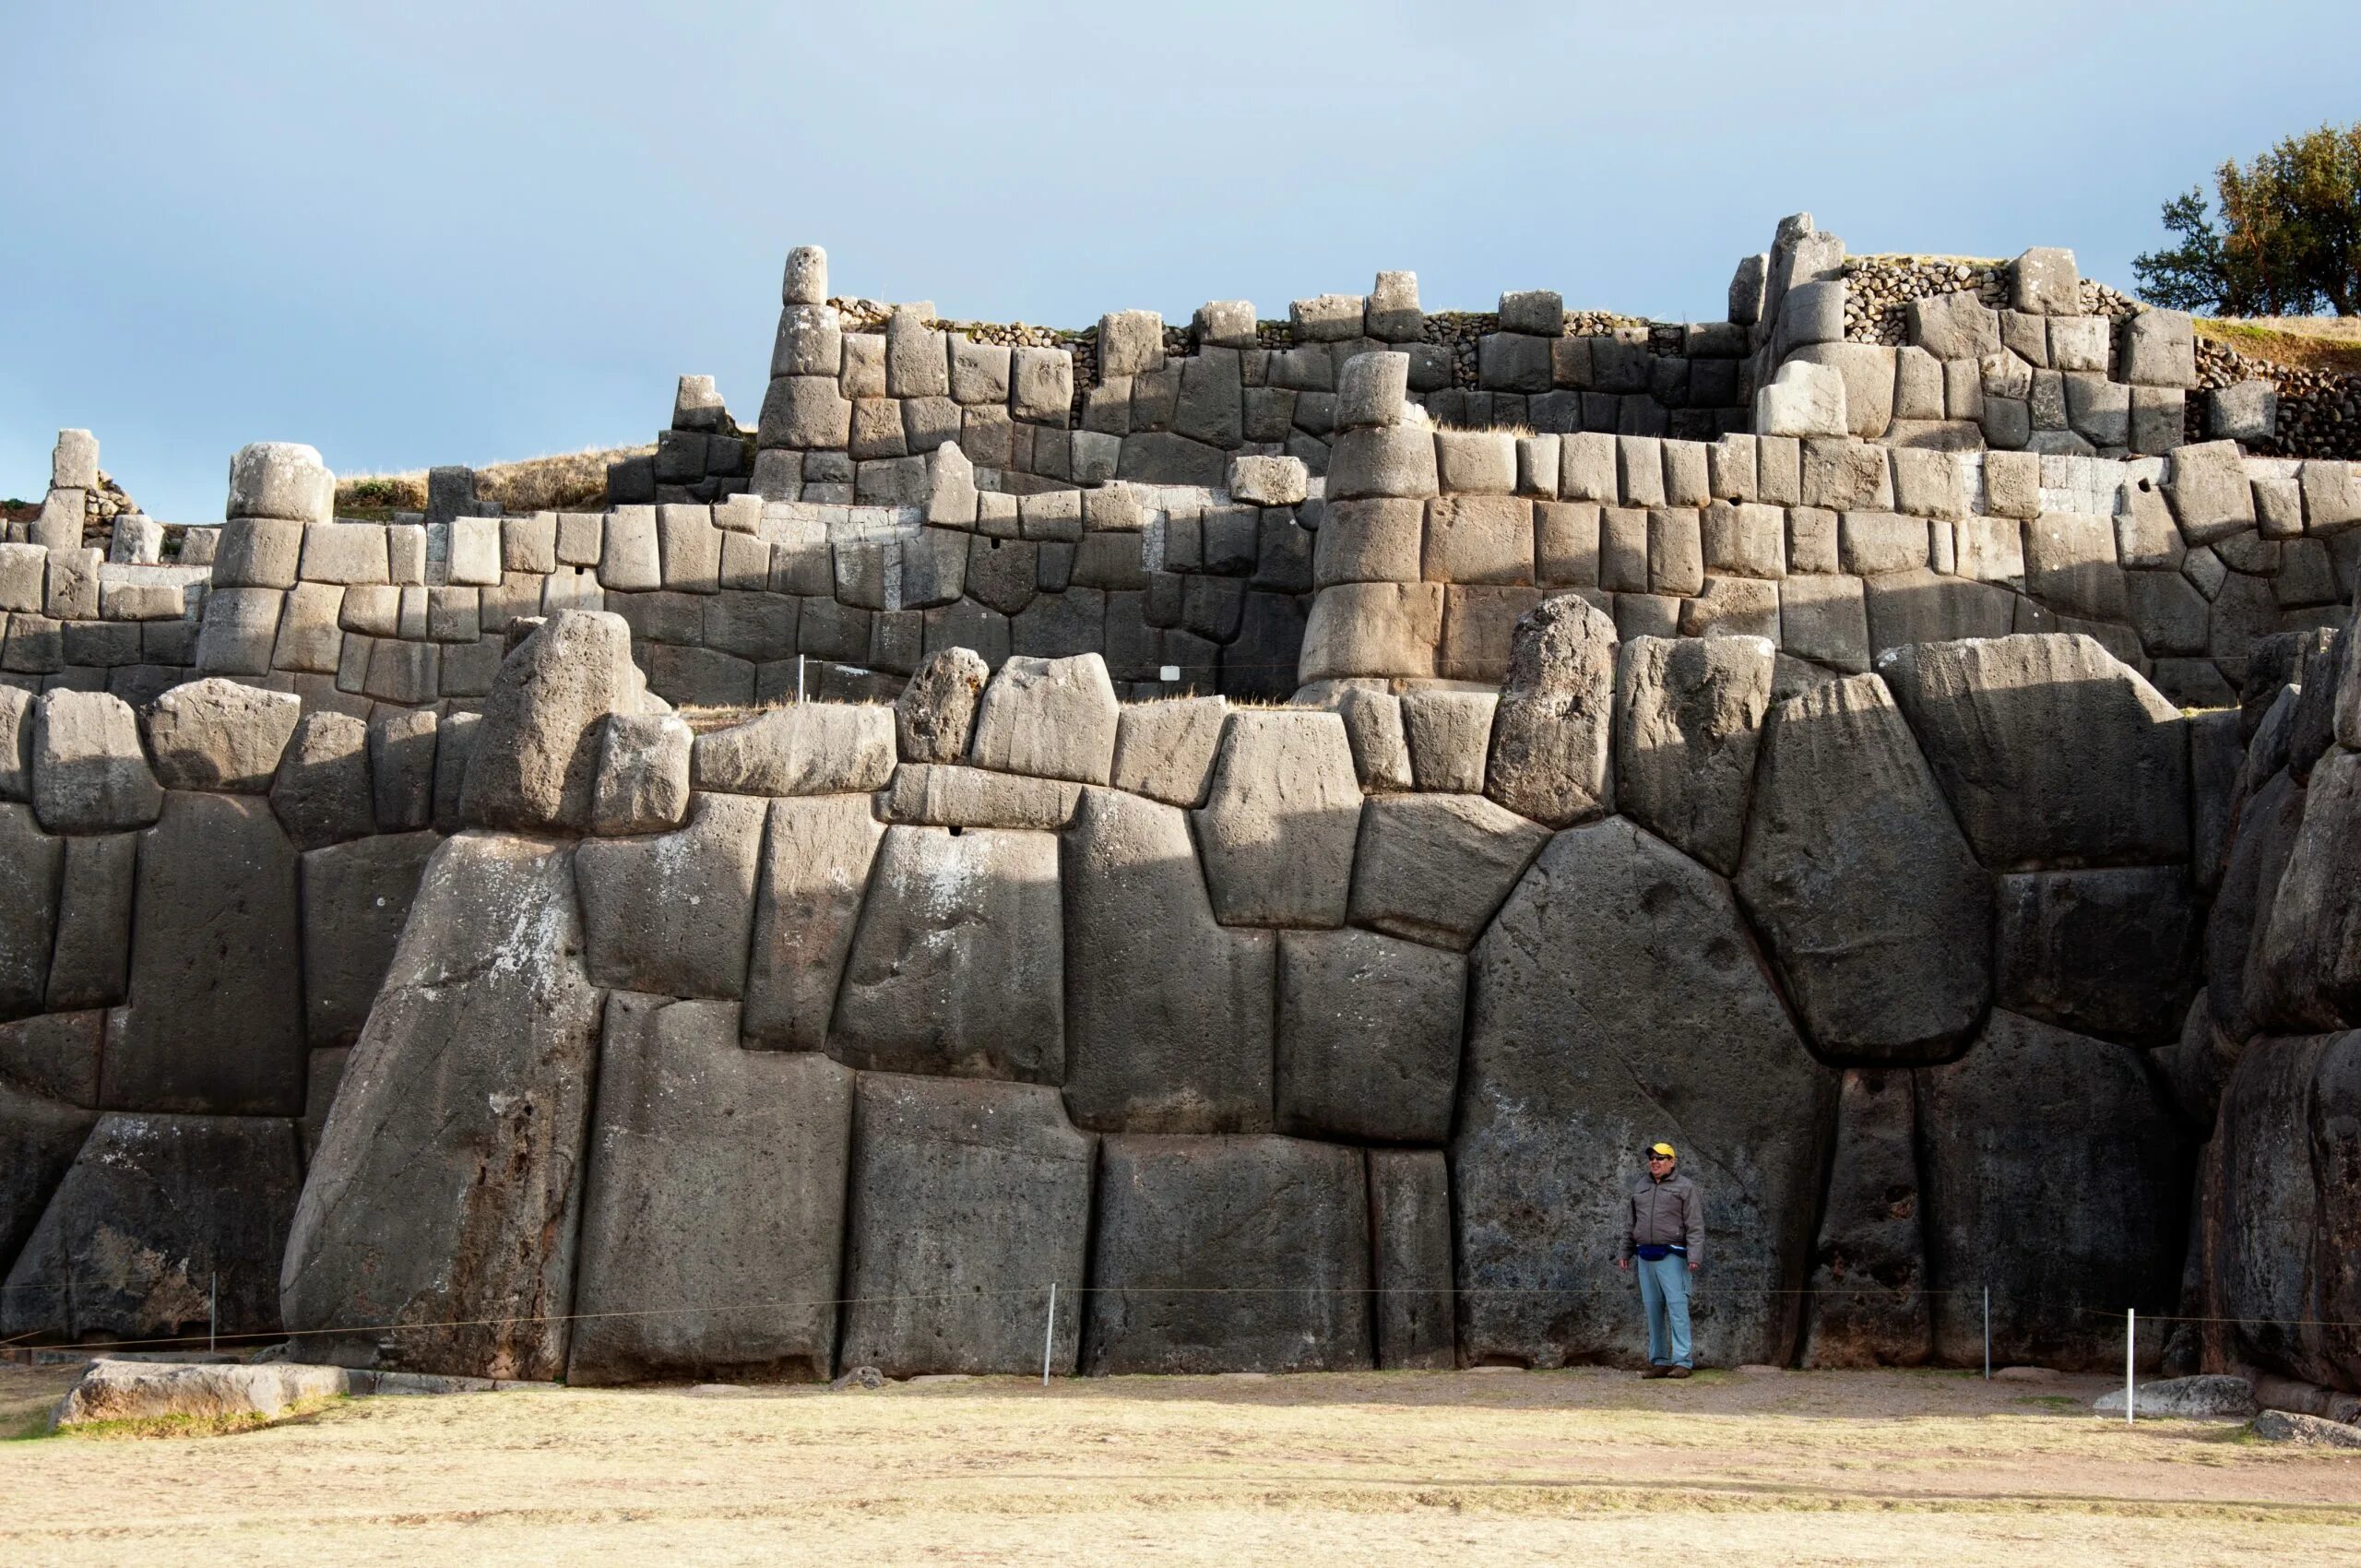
{"x":1624,"y":1264}
{"x":1692,"y":1266}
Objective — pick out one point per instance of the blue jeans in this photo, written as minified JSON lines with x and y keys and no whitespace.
{"x":1663,"y":1291}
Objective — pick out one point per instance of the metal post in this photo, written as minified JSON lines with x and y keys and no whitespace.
{"x":212,"y":1313}
{"x":1050,"y":1334}
{"x":1987,"y":1334}
{"x":2131,"y":1325}
{"x":799,"y":678}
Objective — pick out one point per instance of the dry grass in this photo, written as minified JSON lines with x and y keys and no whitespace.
{"x":1481,"y":1467}
{"x":2299,"y":342}
{"x":561,"y":482}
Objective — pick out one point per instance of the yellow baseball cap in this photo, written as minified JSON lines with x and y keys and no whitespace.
{"x":1664,"y":1149}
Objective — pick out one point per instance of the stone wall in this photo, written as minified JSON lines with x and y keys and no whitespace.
{"x":1354,"y":1012}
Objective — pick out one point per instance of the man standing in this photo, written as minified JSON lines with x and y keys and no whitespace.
{"x":1666,"y":1237}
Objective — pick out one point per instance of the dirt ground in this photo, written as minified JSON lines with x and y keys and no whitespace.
{"x":1490,"y":1468}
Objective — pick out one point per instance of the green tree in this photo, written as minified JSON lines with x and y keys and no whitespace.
{"x":2290,"y":237}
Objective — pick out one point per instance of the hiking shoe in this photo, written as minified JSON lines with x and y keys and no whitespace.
{"x":1657,"y":1372}
{"x":1675,"y":1371}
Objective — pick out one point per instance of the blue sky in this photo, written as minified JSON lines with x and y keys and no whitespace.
{"x":467,"y":233}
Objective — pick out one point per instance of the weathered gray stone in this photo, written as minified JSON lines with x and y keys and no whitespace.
{"x":1880,"y":919}
{"x":91,"y":967}
{"x":215,"y":1022}
{"x":815,"y":864}
{"x":2050,"y":752}
{"x":1053,"y":717}
{"x":39,"y":1139}
{"x":154,"y":1209}
{"x":966,"y":1199}
{"x":947,"y":795}
{"x":1448,"y":735}
{"x":2294,"y":1426}
{"x":1369,"y":1037}
{"x":1868,"y":1305}
{"x":322,"y":792}
{"x":1954,"y":327}
{"x":1691,"y":711}
{"x":281,"y":480}
{"x":535,"y":763}
{"x":1166,"y":750}
{"x":30,"y":863}
{"x":2105,"y":952}
{"x":2306,"y":950}
{"x":1167,"y":1015}
{"x":1373,"y":629}
{"x":672,"y":913}
{"x":356,"y":897}
{"x":1228,"y":1255}
{"x":715,"y":1178}
{"x":1409,"y":1217}
{"x":936,"y":712}
{"x":1434,"y":868}
{"x":2204,"y":1397}
{"x":1280,"y":816}
{"x":805,"y":748}
{"x":90,"y":773}
{"x":2210,"y":492}
{"x":642,"y":783}
{"x":956,"y":966}
{"x":401,"y":768}
{"x":1549,"y":758}
{"x":2044,"y":281}
{"x":2035,"y":1121}
{"x":446,"y":1186}
{"x":16,"y":709}
{"x":1617,"y":1000}
{"x":2160,"y":349}
{"x":143,"y":1390}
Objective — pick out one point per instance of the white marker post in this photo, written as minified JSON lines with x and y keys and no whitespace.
{"x":799,"y":678}
{"x":212,"y":1314}
{"x":1987,"y":1334}
{"x":1050,"y":1334}
{"x":2131,"y":1324}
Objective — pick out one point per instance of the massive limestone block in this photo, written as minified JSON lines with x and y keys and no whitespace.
{"x":1228,"y":1255}
{"x":1880,"y":919}
{"x":1167,"y":1015}
{"x":936,"y":712}
{"x":935,"y":794}
{"x":1409,"y":1219}
{"x":672,"y":913}
{"x":958,"y":965}
{"x":2264,"y":1204}
{"x":1617,"y":999}
{"x":1868,"y":1306}
{"x":714,"y":1190}
{"x":1434,"y":868}
{"x":215,"y":1021}
{"x":1164,"y":750}
{"x":1689,"y":711}
{"x":1369,"y":1037}
{"x":445,"y":1188}
{"x":2051,"y":753}
{"x":2105,"y":953}
{"x":356,"y":897}
{"x":1053,"y":717}
{"x":967,"y":1200}
{"x":322,"y":791}
{"x":807,"y":899}
{"x":1549,"y":735}
{"x":2307,"y":953}
{"x":643,"y":774}
{"x":2266,"y":831}
{"x":90,"y":773}
{"x":536,"y":758}
{"x":31,"y":865}
{"x":39,"y":1139}
{"x":805,"y":748}
{"x":154,"y":1209}
{"x":91,"y":967}
{"x":217,"y":734}
{"x":54,"y":1056}
{"x":2057,"y":1173}
{"x":17,"y":710}
{"x":1278,"y":826}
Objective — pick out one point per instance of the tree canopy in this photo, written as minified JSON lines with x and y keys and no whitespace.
{"x":2289,"y":242}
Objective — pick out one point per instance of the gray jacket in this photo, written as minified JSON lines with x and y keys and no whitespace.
{"x":1667,"y":1213}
